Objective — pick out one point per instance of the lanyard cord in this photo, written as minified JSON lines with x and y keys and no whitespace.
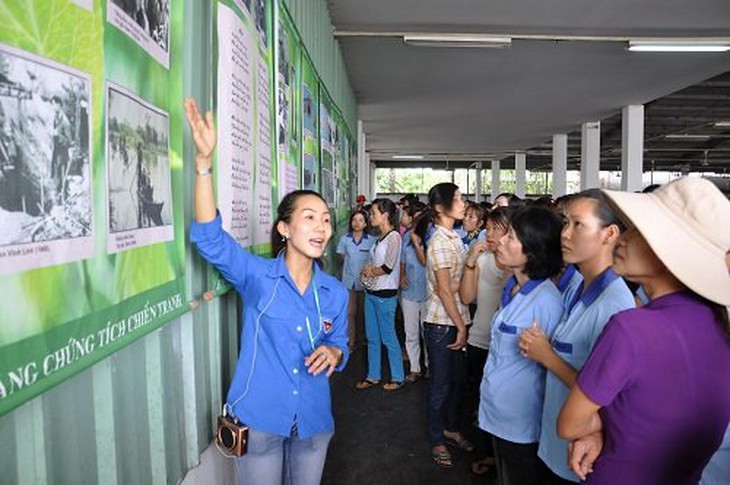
{"x":319,"y":315}
{"x":255,"y":350}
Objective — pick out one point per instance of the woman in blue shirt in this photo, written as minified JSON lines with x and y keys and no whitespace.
{"x":354,"y":247}
{"x":413,"y":287}
{"x":512,"y":388}
{"x":294,"y":327}
{"x":588,"y":240}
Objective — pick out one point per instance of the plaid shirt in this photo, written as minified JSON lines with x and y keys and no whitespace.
{"x":445,"y":250}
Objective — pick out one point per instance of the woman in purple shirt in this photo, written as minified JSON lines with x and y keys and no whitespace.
{"x":652,"y":402}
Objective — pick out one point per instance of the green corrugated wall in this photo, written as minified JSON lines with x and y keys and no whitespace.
{"x":146,"y":413}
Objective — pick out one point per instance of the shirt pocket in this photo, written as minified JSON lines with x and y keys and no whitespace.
{"x":505,"y":340}
{"x":275,"y":321}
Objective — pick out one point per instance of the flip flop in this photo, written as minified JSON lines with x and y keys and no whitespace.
{"x":442,"y":458}
{"x":461,"y":443}
{"x":393,"y":386}
{"x":413,"y":377}
{"x":366,"y":383}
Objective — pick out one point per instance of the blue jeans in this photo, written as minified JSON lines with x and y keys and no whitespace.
{"x":447,"y":384}
{"x":273,"y":459}
{"x":380,"y":327}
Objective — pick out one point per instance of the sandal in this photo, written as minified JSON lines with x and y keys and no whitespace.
{"x":366,"y":383}
{"x":413,"y":377}
{"x":461,"y":443}
{"x":393,"y":385}
{"x":480,"y":467}
{"x":442,"y":458}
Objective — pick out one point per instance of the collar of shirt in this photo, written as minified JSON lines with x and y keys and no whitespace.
{"x":450,"y":233}
{"x":279,"y":270}
{"x":567,"y":276}
{"x":594,"y":290}
{"x":362,"y":238}
{"x":524,"y":289}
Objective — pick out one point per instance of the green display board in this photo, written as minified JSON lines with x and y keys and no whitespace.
{"x":91,"y":133}
{"x":288,"y":103}
{"x":310,"y":125}
{"x":92,"y":239}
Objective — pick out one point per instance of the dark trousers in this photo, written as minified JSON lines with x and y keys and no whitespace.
{"x":518,"y":463}
{"x":477,"y":358}
{"x":447,"y":384}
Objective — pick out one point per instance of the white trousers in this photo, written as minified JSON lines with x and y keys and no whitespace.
{"x":413,"y":327}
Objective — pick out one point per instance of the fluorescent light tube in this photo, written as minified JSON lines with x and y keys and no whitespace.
{"x":667,"y":45}
{"x":686,"y":136}
{"x":457,"y":40}
{"x":722,"y":124}
{"x":407,"y":157}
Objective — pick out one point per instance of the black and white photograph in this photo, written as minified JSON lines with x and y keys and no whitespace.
{"x":309,"y":122}
{"x":284,"y":91}
{"x":260,"y":19}
{"x":244,"y":5}
{"x":309,"y":173}
{"x":147,"y":22}
{"x":45,"y":153}
{"x":138,"y":171}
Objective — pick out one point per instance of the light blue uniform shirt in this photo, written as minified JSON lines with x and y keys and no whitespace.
{"x":356,"y":255}
{"x":415,"y":271}
{"x":570,"y":283}
{"x":512,"y":388}
{"x":717,"y":471}
{"x":271,"y":388}
{"x":581,"y":324}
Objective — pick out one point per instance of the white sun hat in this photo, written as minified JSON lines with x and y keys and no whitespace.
{"x":687,"y":224}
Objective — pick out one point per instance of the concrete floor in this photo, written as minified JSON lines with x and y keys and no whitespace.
{"x":380,"y":437}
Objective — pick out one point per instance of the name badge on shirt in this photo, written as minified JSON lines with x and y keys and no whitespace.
{"x":327,"y":325}
{"x":511,"y":329}
{"x":563,"y":347}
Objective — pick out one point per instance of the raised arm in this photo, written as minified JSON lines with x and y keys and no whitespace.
{"x":470,"y":276}
{"x":205,"y":136}
{"x":214,"y":244}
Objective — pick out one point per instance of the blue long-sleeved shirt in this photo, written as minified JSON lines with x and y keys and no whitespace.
{"x":271,"y":388}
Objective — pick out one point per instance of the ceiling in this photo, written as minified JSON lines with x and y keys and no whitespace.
{"x":471,"y":104}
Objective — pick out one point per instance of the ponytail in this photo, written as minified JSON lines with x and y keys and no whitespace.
{"x":424,"y":223}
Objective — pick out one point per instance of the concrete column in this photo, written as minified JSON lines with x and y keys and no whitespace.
{"x":478,"y":182}
{"x":370,"y":193}
{"x":590,"y":155}
{"x":520,"y":174}
{"x":632,"y":147}
{"x":496,"y":184}
{"x":560,"y":165}
{"x":363,"y":165}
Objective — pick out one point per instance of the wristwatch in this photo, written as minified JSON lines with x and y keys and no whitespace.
{"x":203,"y":171}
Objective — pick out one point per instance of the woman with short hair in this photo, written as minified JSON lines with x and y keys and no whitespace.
{"x":512,"y":388}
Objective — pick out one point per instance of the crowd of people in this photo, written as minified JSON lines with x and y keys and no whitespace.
{"x":574,"y":329}
{"x":588,"y":336}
